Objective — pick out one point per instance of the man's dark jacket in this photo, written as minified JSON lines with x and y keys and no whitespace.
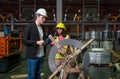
{"x":30,"y":37}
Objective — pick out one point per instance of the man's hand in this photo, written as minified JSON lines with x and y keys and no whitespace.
{"x":41,"y":42}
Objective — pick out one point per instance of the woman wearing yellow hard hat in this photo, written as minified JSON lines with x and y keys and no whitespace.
{"x":61,"y":25}
{"x":60,"y":34}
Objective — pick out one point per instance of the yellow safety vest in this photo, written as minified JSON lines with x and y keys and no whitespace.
{"x":58,"y":55}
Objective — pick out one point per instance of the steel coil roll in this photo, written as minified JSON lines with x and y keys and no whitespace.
{"x":118,"y":36}
{"x":108,"y":35}
{"x":107,"y":45}
{"x":87,"y":35}
{"x":99,"y":56}
{"x":94,"y":34}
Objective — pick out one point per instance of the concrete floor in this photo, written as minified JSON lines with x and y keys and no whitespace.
{"x":21,"y":69}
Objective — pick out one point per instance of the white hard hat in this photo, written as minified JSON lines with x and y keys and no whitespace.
{"x":42,"y":11}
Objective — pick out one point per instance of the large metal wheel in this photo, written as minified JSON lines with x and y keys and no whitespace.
{"x":75,"y":44}
{"x":54,"y":49}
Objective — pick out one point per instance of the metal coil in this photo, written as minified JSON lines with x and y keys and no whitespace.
{"x":107,"y":35}
{"x":54,"y":49}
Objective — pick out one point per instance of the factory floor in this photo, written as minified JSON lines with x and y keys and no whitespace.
{"x":21,"y":69}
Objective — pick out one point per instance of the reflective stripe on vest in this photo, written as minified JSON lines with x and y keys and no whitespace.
{"x":59,"y":56}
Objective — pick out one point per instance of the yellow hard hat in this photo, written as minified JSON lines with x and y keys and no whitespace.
{"x":61,"y":25}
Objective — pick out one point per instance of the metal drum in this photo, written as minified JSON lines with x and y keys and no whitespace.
{"x":107,"y":35}
{"x":107,"y":45}
{"x":94,"y":34}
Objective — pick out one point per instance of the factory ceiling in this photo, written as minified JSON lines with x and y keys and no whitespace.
{"x":24,"y":9}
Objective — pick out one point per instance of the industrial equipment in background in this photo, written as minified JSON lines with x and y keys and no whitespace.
{"x":10,"y":48}
{"x":10,"y":52}
{"x":104,"y":54}
{"x":100,"y":56}
{"x":100,"y":66}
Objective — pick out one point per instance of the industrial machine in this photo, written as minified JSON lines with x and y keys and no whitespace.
{"x":10,"y":49}
{"x":97,"y":63}
{"x":70,"y":68}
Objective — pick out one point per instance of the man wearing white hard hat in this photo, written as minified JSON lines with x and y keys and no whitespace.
{"x":34,"y":39}
{"x":42,"y":11}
